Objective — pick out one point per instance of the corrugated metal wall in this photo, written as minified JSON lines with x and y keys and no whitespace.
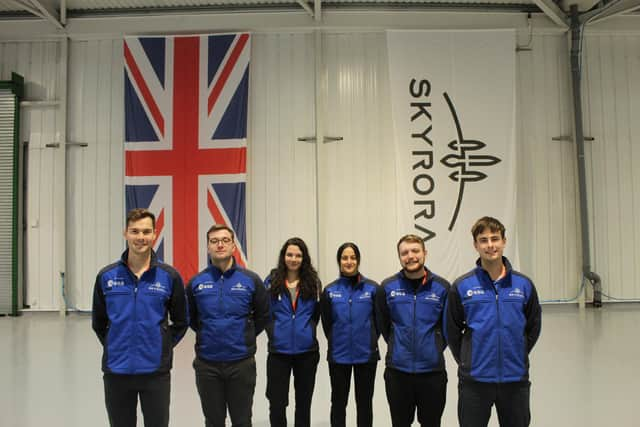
{"x":95,"y":198}
{"x":548,"y":216}
{"x":612,"y":118}
{"x":356,"y":175}
{"x":8,"y":119}
{"x":38,"y":63}
{"x":281,"y":172}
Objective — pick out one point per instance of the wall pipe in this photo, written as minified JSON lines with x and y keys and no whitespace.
{"x":576,"y":75}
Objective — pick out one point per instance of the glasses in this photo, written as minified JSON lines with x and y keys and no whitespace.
{"x":225,"y":241}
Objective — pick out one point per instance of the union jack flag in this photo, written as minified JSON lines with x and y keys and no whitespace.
{"x":185,"y":140}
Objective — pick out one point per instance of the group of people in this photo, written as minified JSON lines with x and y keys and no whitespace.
{"x":490,"y":318}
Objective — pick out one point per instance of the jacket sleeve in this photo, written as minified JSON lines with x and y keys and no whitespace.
{"x":194,"y":319}
{"x":325,"y":313}
{"x":454,"y":322}
{"x":443,"y":315}
{"x":533,"y":313}
{"x":261,"y":307}
{"x":383,"y":316}
{"x":378,"y":290}
{"x":178,"y":310}
{"x":99,"y":318}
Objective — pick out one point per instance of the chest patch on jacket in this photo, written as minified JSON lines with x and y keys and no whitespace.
{"x":475,"y":291}
{"x":516,"y":293}
{"x":365,"y":295}
{"x":432,"y":297}
{"x":397,"y":293}
{"x":158,"y":288}
{"x":203,"y":287}
{"x":239,"y":287}
{"x":115,"y":283}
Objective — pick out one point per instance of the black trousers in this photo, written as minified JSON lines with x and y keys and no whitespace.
{"x":121,"y":398}
{"x":364,"y":377}
{"x":407,"y":392}
{"x":279,"y":368}
{"x":475,"y":400}
{"x":226,"y":385}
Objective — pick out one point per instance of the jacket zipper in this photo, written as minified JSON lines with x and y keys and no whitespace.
{"x":293,"y":322}
{"x":499,"y":331}
{"x":132,"y":365}
{"x":350,"y":325}
{"x":413,"y":340}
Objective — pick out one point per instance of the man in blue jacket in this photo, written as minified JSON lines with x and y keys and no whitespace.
{"x":493,"y":321}
{"x":229,"y":307}
{"x":132,"y":299}
{"x":409,"y":312}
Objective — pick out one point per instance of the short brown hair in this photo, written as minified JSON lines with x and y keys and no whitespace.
{"x":487,"y":222}
{"x":218,"y":227}
{"x":139,"y":213}
{"x":410,"y":238}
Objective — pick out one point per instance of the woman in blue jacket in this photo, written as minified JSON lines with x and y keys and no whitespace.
{"x":348,"y":318}
{"x":294,"y":288}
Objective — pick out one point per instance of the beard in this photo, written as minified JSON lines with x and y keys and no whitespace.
{"x":413,"y":267}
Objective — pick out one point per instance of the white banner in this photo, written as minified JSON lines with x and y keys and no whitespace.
{"x":453,"y":100}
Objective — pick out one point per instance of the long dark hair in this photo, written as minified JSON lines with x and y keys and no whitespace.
{"x":309,"y":281}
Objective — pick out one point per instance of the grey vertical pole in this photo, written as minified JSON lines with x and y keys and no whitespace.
{"x":319,"y":131}
{"x":576,"y":75}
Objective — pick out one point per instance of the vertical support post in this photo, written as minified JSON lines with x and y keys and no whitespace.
{"x":319,"y":131}
{"x":60,"y":185}
{"x":576,"y":76}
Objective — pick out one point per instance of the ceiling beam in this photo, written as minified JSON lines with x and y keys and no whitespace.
{"x":611,"y":9}
{"x":24,"y":5}
{"x":48,"y":13}
{"x":63,"y":12}
{"x":305,"y":6}
{"x":553,"y":12}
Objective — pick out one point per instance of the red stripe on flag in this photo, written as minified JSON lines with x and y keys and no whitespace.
{"x":159,"y":226}
{"x":219,"y":219}
{"x":185,"y":148}
{"x":144,"y":89}
{"x":191,"y":159}
{"x":226,"y":71}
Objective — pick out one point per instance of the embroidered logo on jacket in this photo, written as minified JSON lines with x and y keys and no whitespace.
{"x":397,"y":293}
{"x":475,"y":291}
{"x":157,"y":287}
{"x":432,"y":297}
{"x":114,"y":283}
{"x":517,"y":292}
{"x":333,"y":294}
{"x":203,"y":286}
{"x":365,"y":295}
{"x":238,"y":287}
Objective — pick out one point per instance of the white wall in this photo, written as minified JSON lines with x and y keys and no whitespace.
{"x":356,"y":175}
{"x":612,"y":118}
{"x":95,"y":174}
{"x":548,"y":204}
{"x":38,"y":62}
{"x":281,"y":171}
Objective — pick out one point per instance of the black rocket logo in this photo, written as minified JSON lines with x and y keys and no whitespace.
{"x":463,"y":161}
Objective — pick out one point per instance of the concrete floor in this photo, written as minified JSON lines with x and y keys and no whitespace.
{"x":583,"y":374}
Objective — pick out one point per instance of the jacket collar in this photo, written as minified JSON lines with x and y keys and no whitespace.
{"x":484,"y":275}
{"x":216,"y":272}
{"x":154,"y":258}
{"x":426,"y":279}
{"x":346,"y":280}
